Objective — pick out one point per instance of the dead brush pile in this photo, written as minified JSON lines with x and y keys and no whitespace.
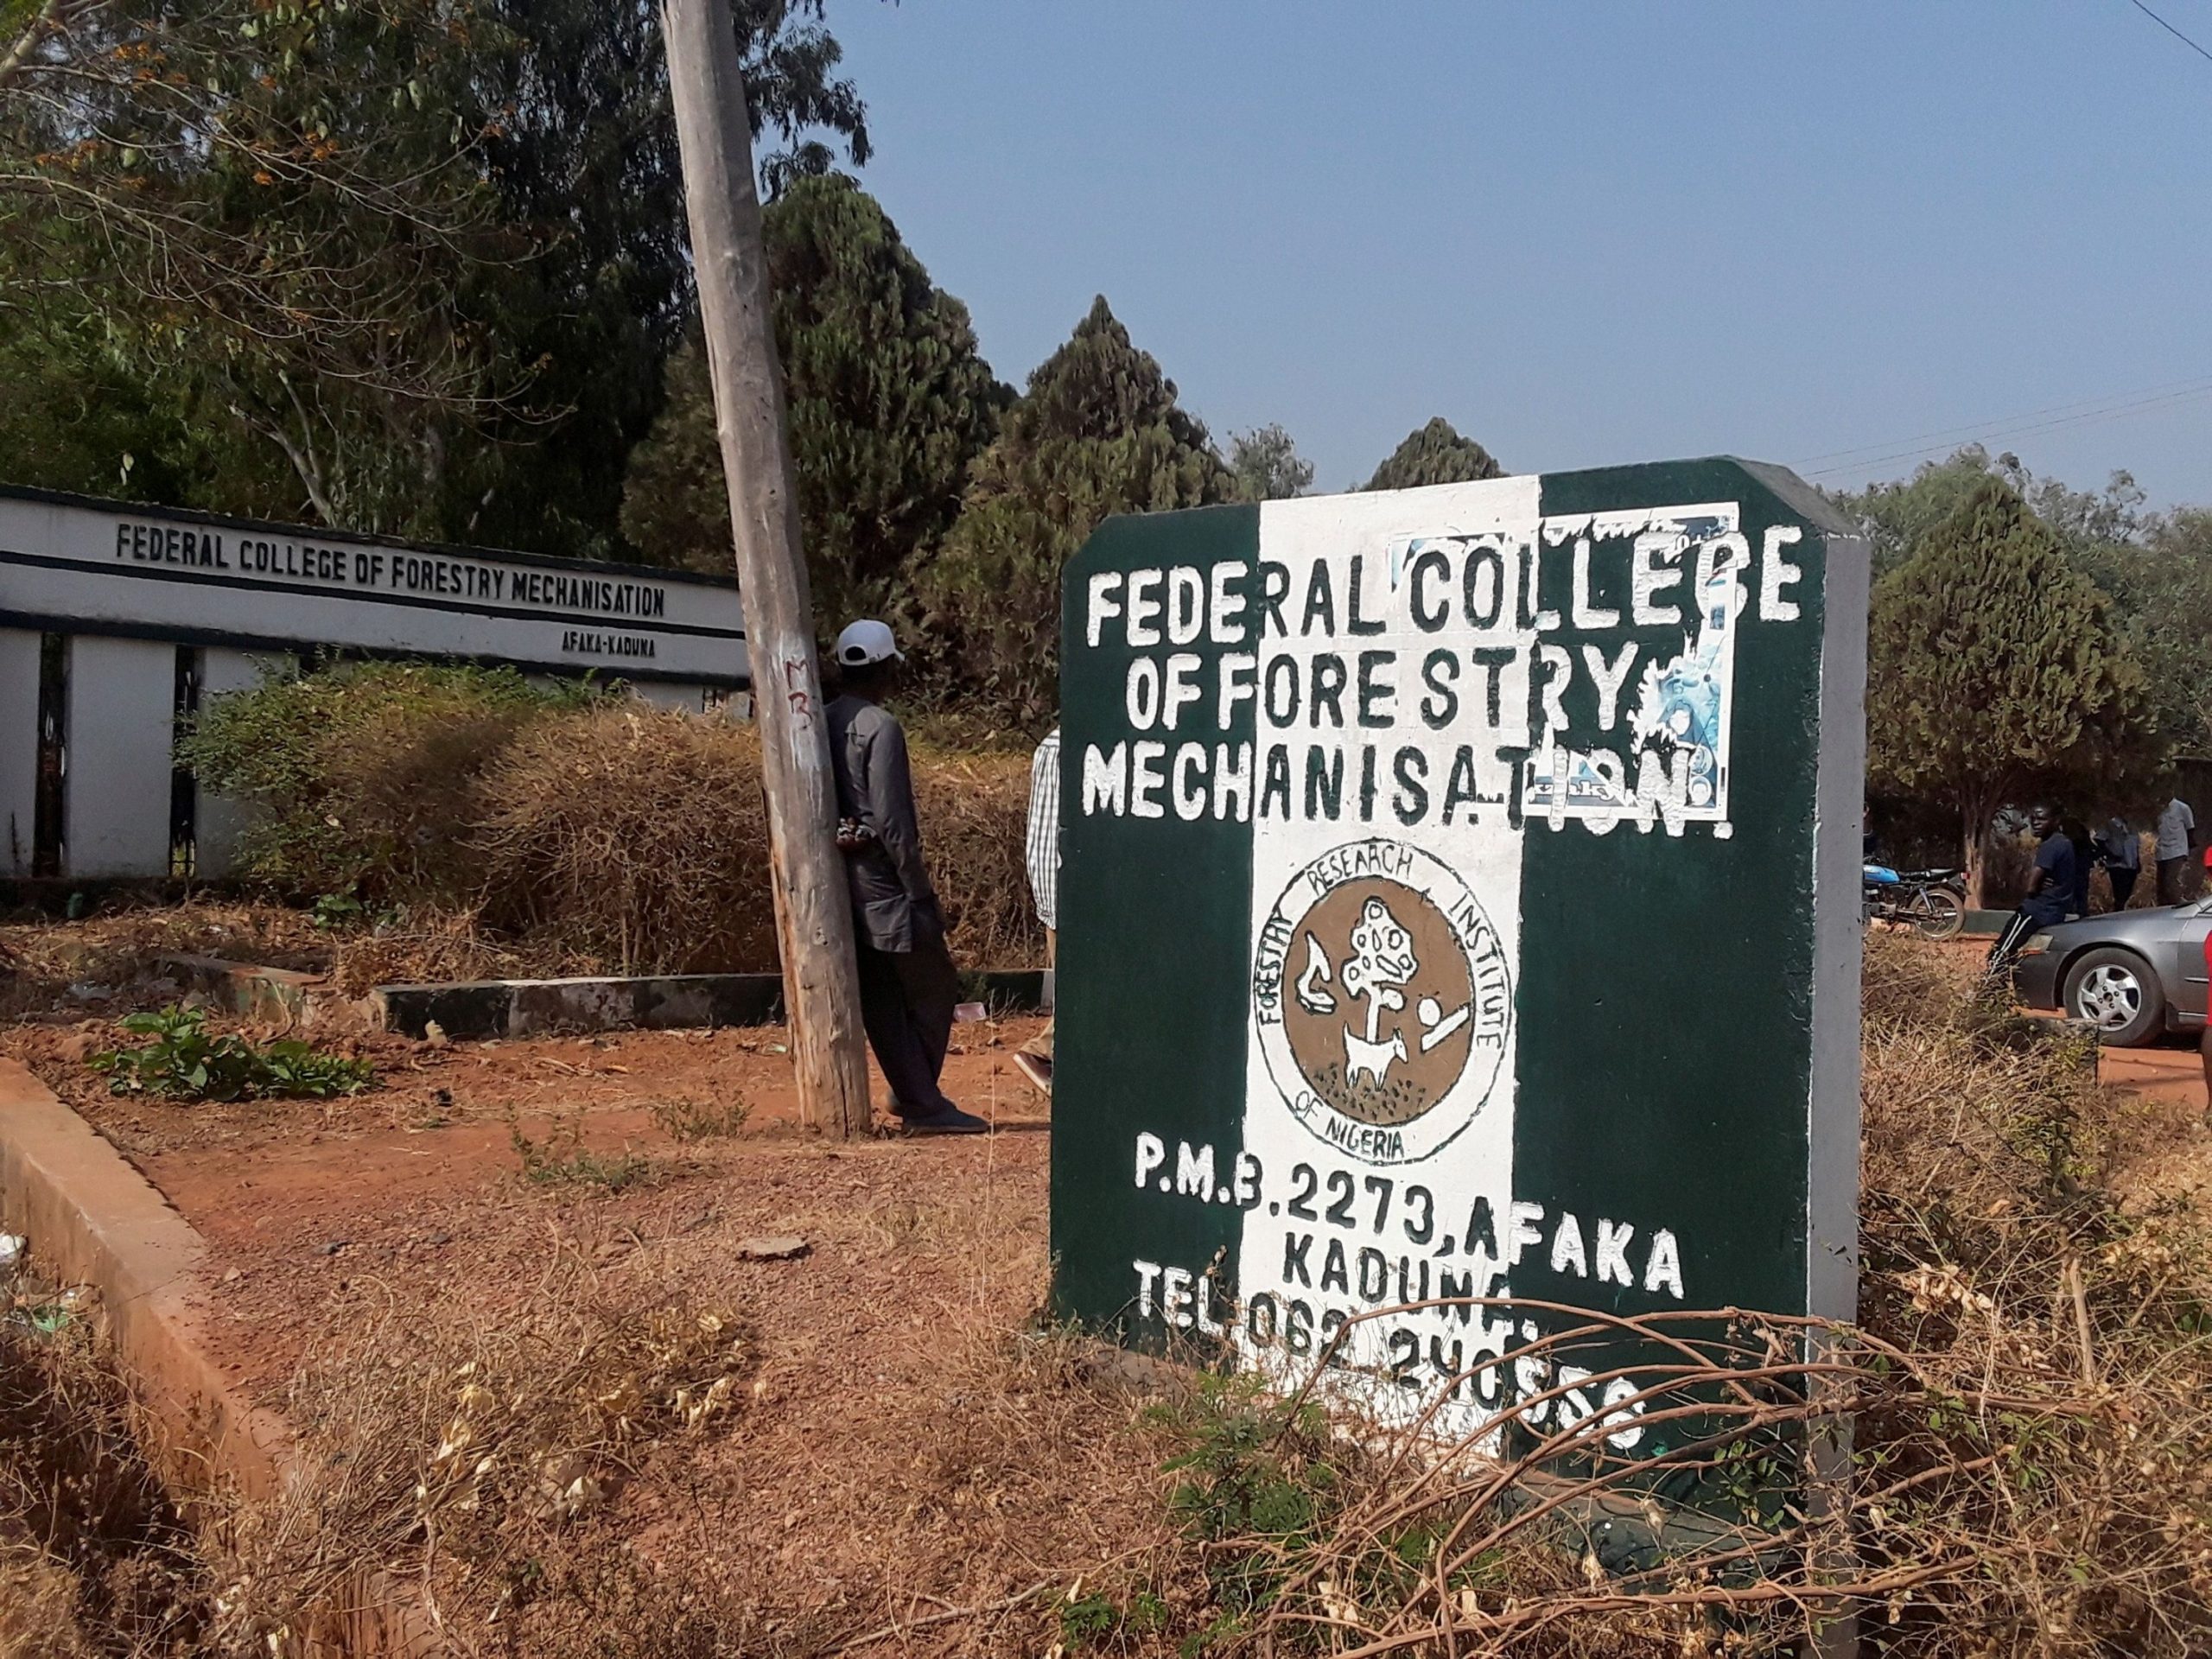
{"x":479,"y":827}
{"x":634,"y":837}
{"x":461,"y":1457}
{"x":638,"y":838}
{"x":425,"y":944}
{"x":2029,"y":1387}
{"x":363,"y":778}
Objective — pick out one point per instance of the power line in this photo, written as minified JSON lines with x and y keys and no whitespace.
{"x":2010,"y":422}
{"x":2107,"y":410}
{"x":2171,"y":29}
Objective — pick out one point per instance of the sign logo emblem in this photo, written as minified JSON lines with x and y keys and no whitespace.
{"x":1383,"y":999}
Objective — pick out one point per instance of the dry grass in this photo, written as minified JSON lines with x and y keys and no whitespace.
{"x":2030,"y":1386}
{"x":637,"y":839}
{"x":116,"y":951}
{"x":901,"y":1464}
{"x":476,"y":1450}
{"x":92,"y":1560}
{"x":425,"y":944}
{"x":817,"y":1509}
{"x":975,"y":826}
{"x":634,"y":837}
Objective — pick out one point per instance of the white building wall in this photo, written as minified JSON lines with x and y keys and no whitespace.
{"x":18,"y":747}
{"x":222,"y":821}
{"x":670,"y":694}
{"x":122,"y":710}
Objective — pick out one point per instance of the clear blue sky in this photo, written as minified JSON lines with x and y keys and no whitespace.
{"x":1584,"y":232}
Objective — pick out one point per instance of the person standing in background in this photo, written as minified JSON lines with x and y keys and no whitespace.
{"x":2120,"y":851}
{"x":2077,"y":837}
{"x":2177,"y":839}
{"x":908,"y":987}
{"x":1034,"y":1057}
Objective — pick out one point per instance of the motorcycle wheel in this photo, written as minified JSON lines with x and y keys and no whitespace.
{"x":1938,"y":914}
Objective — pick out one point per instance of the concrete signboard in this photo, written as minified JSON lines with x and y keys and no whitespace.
{"x":1460,"y":898}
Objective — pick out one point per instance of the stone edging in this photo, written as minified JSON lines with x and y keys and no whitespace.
{"x":475,"y":1010}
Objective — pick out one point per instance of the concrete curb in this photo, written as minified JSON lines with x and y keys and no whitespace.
{"x":93,"y":1219}
{"x":247,"y":988}
{"x":476,"y":1010}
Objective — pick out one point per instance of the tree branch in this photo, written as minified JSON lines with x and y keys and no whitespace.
{"x":42,"y":24}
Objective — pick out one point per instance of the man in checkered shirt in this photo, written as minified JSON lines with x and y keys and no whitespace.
{"x":1035,"y":1057}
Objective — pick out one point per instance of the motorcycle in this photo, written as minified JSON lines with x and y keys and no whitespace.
{"x":1933,"y":902}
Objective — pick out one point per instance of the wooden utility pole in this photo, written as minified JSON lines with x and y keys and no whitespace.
{"x":806,"y":873}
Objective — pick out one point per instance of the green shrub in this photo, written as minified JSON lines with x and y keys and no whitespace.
{"x":363,"y":777}
{"x":1257,"y":1477}
{"x":562,"y":1160}
{"x":182,"y":1061}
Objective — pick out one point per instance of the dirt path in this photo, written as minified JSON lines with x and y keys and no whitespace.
{"x":902,"y":1446}
{"x":2167,"y":1157}
{"x":422,"y":1175}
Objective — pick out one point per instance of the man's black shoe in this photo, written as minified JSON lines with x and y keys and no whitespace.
{"x":951,"y":1120}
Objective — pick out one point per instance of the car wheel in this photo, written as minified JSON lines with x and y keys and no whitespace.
{"x":2115,"y":991}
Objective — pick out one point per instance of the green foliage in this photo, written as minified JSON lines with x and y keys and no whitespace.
{"x":1256,"y":1472}
{"x":361,"y":775}
{"x":1268,"y":465}
{"x":1897,"y":516}
{"x":265,"y":210}
{"x":1434,"y":454}
{"x":1099,"y":431}
{"x":675,"y":499}
{"x":181,"y":1061}
{"x":1094,"y":1620}
{"x":333,"y":911}
{"x":562,"y":1160}
{"x":889,"y":400}
{"x":580,"y":148}
{"x":399,"y":265}
{"x":2161,"y":587}
{"x":1994,"y":669}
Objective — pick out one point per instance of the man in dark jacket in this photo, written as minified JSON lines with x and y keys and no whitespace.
{"x":908,"y":987}
{"x":2052,"y":887}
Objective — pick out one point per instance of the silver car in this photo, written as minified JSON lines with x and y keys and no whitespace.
{"x":2135,"y":975}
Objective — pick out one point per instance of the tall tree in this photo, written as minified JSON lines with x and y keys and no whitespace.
{"x":261,"y":206}
{"x":2161,"y":586}
{"x":889,"y":400}
{"x":1434,"y":454}
{"x":1268,"y":465}
{"x":1898,"y":515}
{"x":425,"y":255}
{"x":1098,"y":431}
{"x":1994,"y":669}
{"x":581,"y":152}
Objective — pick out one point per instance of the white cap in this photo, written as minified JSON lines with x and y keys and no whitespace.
{"x":867,"y":641}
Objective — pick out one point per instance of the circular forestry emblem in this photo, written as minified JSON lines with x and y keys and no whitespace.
{"x":1384,"y":1001}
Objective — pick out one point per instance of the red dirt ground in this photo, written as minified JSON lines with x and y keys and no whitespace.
{"x":892,"y":1457}
{"x":276,"y":1186}
{"x":902,"y":1448}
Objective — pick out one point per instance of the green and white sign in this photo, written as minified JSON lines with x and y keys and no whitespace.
{"x":1460,"y":898}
